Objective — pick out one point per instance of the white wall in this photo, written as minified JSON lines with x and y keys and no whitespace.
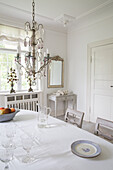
{"x":56,"y":43}
{"x":77,"y":56}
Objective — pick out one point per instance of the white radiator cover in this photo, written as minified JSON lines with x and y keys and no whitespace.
{"x":21,"y":100}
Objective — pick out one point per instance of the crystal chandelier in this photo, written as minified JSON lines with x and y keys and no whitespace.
{"x":34,"y":42}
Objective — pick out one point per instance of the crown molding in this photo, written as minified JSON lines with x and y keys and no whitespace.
{"x":84,"y":20}
{"x":11,"y":22}
{"x":85,"y":27}
{"x":97,"y":16}
{"x":21,"y":16}
{"x":95,"y":9}
{"x":14,"y":23}
{"x":23,"y":11}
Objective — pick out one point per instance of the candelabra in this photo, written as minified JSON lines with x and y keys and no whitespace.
{"x":11,"y":78}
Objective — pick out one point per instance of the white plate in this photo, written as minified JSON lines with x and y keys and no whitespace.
{"x":85,"y":149}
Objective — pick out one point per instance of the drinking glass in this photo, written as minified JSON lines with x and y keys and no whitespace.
{"x":10,"y":130}
{"x":6,"y":155}
{"x":6,"y":142}
{"x":48,"y":112}
{"x":27,"y":144}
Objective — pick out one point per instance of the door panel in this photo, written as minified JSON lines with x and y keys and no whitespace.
{"x":102,"y":106}
{"x":102,"y":82}
{"x":103,"y":63}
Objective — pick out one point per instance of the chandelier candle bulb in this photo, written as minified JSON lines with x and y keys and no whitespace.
{"x":39,"y":50}
{"x":18,"y":49}
{"x":44,"y":54}
{"x":47,"y":51}
{"x":29,"y":48}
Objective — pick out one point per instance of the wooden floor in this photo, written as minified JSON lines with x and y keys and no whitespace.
{"x":88,"y":126}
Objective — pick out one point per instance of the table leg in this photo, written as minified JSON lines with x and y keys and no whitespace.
{"x":56,"y":103}
{"x":65,"y":105}
{"x":73,"y":103}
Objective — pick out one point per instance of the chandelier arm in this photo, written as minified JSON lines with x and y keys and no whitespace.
{"x":22,"y":66}
{"x":40,"y":25}
{"x":43,"y":66}
{"x":27,"y":24}
{"x":38,"y":40}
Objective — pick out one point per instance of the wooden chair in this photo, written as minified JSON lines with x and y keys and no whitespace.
{"x":104,"y":128}
{"x":74,"y":117}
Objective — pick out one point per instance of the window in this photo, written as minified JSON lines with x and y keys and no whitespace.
{"x":7,"y":60}
{"x":9,"y":39}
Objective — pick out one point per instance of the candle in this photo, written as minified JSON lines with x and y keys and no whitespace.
{"x":47,"y":51}
{"x":44,"y":54}
{"x":39,"y":50}
{"x":29,"y":48}
{"x":19,"y":49}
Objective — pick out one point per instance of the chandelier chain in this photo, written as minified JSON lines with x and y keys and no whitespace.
{"x":33,"y":14}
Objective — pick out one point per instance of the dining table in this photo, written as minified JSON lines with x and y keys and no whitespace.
{"x":51,"y":148}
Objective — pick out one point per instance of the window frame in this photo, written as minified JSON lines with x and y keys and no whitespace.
{"x":19,"y":83}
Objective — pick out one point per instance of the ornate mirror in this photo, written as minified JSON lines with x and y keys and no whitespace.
{"x":56,"y":73}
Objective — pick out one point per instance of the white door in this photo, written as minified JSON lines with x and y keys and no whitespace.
{"x":102,"y":82}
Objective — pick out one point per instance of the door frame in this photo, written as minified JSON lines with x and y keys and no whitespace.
{"x":89,"y":60}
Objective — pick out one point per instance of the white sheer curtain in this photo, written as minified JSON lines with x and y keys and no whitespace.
{"x":11,"y":33}
{"x":10,"y":39}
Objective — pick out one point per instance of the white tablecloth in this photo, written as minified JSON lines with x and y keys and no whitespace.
{"x":53,"y":149}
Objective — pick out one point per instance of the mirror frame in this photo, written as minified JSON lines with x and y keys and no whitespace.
{"x":56,"y":58}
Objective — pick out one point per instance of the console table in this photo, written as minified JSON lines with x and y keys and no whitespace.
{"x":58,"y":99}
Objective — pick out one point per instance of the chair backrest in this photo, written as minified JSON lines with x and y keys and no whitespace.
{"x":104,"y":128}
{"x":74,"y":117}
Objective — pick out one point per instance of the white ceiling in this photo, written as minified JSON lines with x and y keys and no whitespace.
{"x":46,"y":11}
{"x":54,"y":8}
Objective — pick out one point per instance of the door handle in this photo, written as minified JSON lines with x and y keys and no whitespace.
{"x":111,"y":86}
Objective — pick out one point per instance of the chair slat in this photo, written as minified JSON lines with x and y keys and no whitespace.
{"x":104,"y":124}
{"x":74,"y":117}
